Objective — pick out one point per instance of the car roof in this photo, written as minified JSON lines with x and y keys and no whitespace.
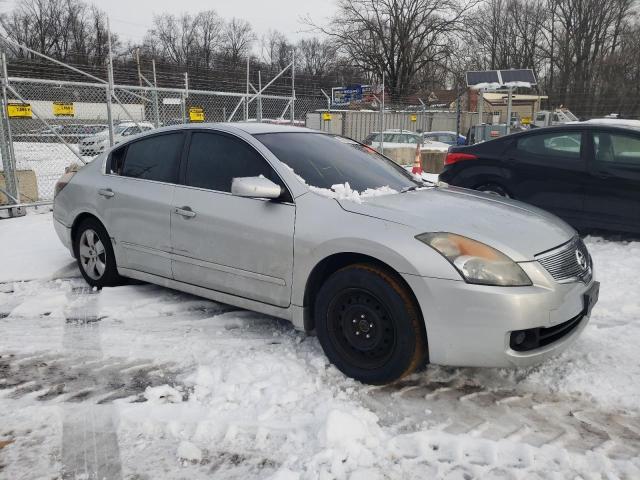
{"x":247,"y":127}
{"x":567,"y":127}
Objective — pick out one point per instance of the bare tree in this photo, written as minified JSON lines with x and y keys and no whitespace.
{"x":277,"y":52}
{"x":68,"y":30}
{"x":315,"y":57}
{"x":397,"y":37}
{"x":237,"y":39}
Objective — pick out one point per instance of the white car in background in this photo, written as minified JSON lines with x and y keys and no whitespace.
{"x":96,"y":144}
{"x":403,"y":138}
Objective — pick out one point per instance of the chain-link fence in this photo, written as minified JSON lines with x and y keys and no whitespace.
{"x":49,"y":125}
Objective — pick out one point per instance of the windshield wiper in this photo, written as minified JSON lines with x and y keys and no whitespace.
{"x":409,"y":189}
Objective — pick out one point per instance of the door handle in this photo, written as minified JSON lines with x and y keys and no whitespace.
{"x":106,"y":192}
{"x":603,"y":175}
{"x":184,"y":212}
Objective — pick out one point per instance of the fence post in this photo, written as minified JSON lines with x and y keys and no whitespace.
{"x":8,"y":154}
{"x":246,"y":102}
{"x":156,"y":108}
{"x":293,"y":89}
{"x":382,"y":118}
{"x":110,"y":88}
{"x":259,"y":114}
{"x":185,"y":95}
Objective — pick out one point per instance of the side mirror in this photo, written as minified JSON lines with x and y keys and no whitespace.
{"x":255,"y":187}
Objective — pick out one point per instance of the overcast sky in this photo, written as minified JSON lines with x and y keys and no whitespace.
{"x":131,"y":18}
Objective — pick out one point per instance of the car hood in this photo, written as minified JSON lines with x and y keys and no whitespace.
{"x":518,"y":230}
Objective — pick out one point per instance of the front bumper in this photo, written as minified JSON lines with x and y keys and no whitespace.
{"x":472,"y":325}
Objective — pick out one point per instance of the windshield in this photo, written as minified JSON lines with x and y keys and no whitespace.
{"x":120,"y":128}
{"x":326,"y":160}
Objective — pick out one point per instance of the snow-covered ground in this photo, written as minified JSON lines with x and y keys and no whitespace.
{"x":141,"y":382}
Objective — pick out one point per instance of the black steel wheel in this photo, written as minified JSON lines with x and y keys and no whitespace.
{"x":369,"y":325}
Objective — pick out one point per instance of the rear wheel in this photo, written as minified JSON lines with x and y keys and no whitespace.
{"x":493,"y":189}
{"x":94,"y":254}
{"x":369,"y":325}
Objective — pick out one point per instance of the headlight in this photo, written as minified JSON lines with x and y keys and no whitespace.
{"x":477,"y":262}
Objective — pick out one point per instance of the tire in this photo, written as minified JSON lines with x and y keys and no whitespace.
{"x":369,"y":326}
{"x":94,"y":254}
{"x":493,"y":189}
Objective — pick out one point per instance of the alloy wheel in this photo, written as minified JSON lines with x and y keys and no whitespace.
{"x":93,"y":256}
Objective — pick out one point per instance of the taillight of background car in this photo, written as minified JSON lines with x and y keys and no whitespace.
{"x":62,"y":182}
{"x":455,"y":157}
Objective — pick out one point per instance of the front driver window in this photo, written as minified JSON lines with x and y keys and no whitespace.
{"x":216,"y":159}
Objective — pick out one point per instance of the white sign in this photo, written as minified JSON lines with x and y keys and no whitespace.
{"x":172,"y":101}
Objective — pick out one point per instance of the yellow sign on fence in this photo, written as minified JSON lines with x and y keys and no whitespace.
{"x":19,"y":110}
{"x":414,"y":118}
{"x":525,"y":120}
{"x":326,"y":116}
{"x":196,"y":114}
{"x":64,"y":109}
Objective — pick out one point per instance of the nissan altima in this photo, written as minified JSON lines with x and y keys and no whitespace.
{"x":390,"y":271}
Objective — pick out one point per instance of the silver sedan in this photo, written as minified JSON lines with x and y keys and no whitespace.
{"x":390,"y":271}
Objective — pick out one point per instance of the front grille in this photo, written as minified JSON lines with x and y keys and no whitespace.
{"x":532,"y":338}
{"x":563,"y":262}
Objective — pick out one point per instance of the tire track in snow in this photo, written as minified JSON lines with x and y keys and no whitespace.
{"x":459,"y":406}
{"x":89,"y":439}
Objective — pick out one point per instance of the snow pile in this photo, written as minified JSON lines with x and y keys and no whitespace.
{"x":162,"y":394}
{"x":188,"y":451}
{"x":135,"y":301}
{"x":343,"y":191}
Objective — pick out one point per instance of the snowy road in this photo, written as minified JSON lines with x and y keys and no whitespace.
{"x":140,"y":382}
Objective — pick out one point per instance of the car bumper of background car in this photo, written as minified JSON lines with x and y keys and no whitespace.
{"x":474,"y":325}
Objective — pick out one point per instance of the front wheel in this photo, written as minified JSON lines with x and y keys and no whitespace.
{"x":94,"y":254}
{"x":369,"y":325}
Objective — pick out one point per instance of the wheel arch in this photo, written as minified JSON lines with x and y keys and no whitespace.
{"x":77,"y":221}
{"x":336,"y":261}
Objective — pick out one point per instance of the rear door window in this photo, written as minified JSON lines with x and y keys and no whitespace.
{"x":613,"y":148}
{"x":153,"y":158}
{"x":563,"y":145}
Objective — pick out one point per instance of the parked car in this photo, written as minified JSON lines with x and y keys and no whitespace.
{"x":403,"y":138}
{"x":586,"y":173}
{"x":98,"y":143}
{"x":70,"y":133}
{"x":450,"y":138}
{"x":390,"y":271}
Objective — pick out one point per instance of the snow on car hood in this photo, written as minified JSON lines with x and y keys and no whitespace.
{"x":518,"y":230}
